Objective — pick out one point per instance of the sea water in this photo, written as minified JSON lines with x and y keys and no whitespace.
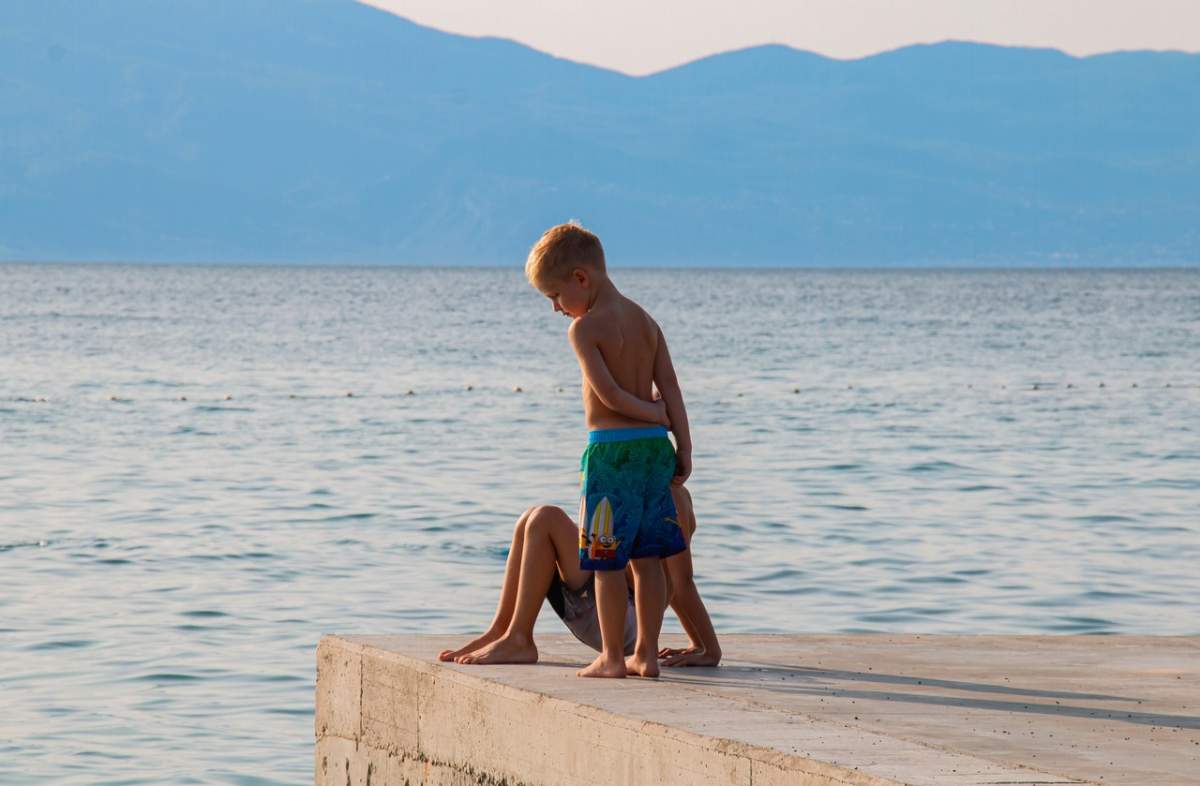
{"x":203,"y":469}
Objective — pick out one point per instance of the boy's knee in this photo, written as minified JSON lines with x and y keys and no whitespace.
{"x":540,"y":519}
{"x":523,"y":520}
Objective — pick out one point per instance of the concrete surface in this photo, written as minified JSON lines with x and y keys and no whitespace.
{"x":806,"y":710}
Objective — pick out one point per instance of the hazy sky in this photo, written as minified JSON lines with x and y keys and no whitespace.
{"x":640,"y":36}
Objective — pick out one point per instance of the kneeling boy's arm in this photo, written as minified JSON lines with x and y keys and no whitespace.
{"x":600,"y":379}
{"x":693,"y":616}
{"x":685,"y":600}
{"x":688,"y":607}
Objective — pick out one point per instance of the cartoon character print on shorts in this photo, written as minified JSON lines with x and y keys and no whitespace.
{"x":626,"y":508}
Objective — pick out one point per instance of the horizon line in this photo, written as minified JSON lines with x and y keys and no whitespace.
{"x":933,"y":266}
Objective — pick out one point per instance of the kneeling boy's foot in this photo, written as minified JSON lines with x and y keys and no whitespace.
{"x":474,"y":644}
{"x":506,"y":649}
{"x":637,"y":666}
{"x":601,"y":667}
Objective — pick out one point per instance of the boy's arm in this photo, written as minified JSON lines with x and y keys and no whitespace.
{"x":678,"y":568}
{"x":597,"y":376}
{"x":668,"y":388}
{"x":693,"y":615}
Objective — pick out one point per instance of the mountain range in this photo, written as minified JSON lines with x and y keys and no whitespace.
{"x":330,"y":131}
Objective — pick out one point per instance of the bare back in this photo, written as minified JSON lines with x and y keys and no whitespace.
{"x":628,"y":340}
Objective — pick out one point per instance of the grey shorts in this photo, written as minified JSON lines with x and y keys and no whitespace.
{"x":577,"y":610}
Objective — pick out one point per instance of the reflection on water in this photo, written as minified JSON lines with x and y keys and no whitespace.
{"x":228,"y":462}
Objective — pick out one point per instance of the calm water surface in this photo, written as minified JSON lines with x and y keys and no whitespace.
{"x":197,"y":499}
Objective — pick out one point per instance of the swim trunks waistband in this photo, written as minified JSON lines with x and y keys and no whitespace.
{"x":624,"y":434}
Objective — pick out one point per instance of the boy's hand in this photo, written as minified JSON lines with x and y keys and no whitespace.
{"x":683,"y":467}
{"x":661,"y":407}
{"x":692,"y":656}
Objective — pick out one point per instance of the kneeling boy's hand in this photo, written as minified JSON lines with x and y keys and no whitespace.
{"x":661,"y":407}
{"x":693,"y":656}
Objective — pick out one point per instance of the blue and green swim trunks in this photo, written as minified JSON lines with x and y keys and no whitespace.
{"x":626,"y":510}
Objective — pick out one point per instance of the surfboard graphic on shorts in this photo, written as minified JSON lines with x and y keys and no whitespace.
{"x":601,"y":543}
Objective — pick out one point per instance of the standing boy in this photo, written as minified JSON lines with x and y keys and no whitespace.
{"x":626,"y":514}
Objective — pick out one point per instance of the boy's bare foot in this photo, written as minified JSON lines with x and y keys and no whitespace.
{"x":487,"y":638}
{"x":511,"y":648}
{"x":638,"y":666}
{"x":602,"y":667}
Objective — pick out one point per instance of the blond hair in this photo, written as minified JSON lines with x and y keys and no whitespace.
{"x":562,"y":248}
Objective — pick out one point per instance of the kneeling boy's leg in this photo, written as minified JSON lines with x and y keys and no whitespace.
{"x":508,"y":594}
{"x":548,"y":533}
{"x":543,"y":530}
{"x":563,"y":533}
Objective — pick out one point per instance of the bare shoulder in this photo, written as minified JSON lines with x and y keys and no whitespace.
{"x":638,"y":309}
{"x":595,"y":325}
{"x":582,"y":328}
{"x":642,"y":316}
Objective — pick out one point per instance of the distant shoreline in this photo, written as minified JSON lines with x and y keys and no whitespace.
{"x":715,"y":267}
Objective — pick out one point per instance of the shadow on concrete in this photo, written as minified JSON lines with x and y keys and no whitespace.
{"x":803,"y":672}
{"x":573,"y":665}
{"x":806,"y":681}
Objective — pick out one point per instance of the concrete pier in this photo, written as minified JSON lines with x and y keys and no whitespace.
{"x":806,"y":710}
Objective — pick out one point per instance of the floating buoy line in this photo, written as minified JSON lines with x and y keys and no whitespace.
{"x":412,"y":392}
